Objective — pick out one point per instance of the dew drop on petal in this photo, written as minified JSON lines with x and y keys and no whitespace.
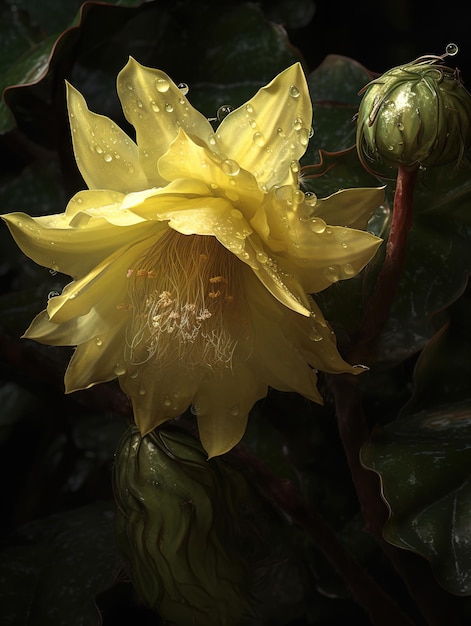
{"x":98,"y":341}
{"x":298,"y":123}
{"x":119,"y":369}
{"x":154,"y":106}
{"x":262,"y":257}
{"x":314,"y":335}
{"x":169,"y":107}
{"x":183,"y":88}
{"x":230,"y":167}
{"x":167,"y":402}
{"x":310,"y":198}
{"x":348,"y":269}
{"x":294,"y":91}
{"x":317,"y":225}
{"x":258,"y":139}
{"x":98,"y":150}
{"x":234,"y":411}
{"x":237,"y":214}
{"x":224,"y":111}
{"x":108,"y":158}
{"x":249,"y":108}
{"x":294,"y":165}
{"x":52,"y":294}
{"x":332,"y":273}
{"x":162,"y":85}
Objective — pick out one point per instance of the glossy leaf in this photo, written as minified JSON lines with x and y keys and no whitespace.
{"x":424,"y":458}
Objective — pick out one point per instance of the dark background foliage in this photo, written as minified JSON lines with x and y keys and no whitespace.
{"x":58,"y":561}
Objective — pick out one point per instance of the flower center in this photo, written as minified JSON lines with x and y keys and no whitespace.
{"x":189,"y":304}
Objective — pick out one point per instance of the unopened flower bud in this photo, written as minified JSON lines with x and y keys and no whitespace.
{"x":178,"y":524}
{"x":418,"y":114}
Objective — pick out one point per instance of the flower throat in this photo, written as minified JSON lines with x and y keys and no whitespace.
{"x":188,"y":303}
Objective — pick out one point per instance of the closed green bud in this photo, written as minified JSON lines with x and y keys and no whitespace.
{"x":418,"y":114}
{"x":178,"y":525}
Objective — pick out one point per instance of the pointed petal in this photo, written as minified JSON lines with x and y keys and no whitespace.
{"x":349,"y":207}
{"x":109,"y":277}
{"x":275,"y":353}
{"x":156,"y":108}
{"x":51,"y":242}
{"x":98,"y":360}
{"x":222,"y":409}
{"x":320,"y":259}
{"x":159,"y":392}
{"x":272,"y":129}
{"x":186,"y":159}
{"x":106,"y":157}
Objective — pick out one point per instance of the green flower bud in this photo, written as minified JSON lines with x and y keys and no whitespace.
{"x":418,"y":114}
{"x":178,"y":524}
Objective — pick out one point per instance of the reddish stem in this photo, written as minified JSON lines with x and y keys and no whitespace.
{"x":379,"y":305}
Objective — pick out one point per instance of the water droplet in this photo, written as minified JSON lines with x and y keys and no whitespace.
{"x":280,"y":132}
{"x":314,"y":335}
{"x":298,"y":123}
{"x":224,"y":111}
{"x":167,"y":402}
{"x":98,"y":341}
{"x":98,"y":150}
{"x":79,"y":200}
{"x":162,"y":85}
{"x":332,"y":273}
{"x":214,"y":186}
{"x":294,"y":91}
{"x":52,"y":294}
{"x":310,"y":198}
{"x":400,"y":126}
{"x":212,"y":139}
{"x":253,"y":123}
{"x":183,"y":88}
{"x":344,"y":245}
{"x":451,"y":49}
{"x":262,"y":256}
{"x":311,"y":132}
{"x":258,"y":139}
{"x":154,"y":106}
{"x":303,"y":136}
{"x":230,"y":167}
{"x":119,"y":369}
{"x":298,"y":196}
{"x":169,"y":107}
{"x":139,"y":104}
{"x":348,"y":269}
{"x":129,"y":86}
{"x":237,"y":214}
{"x":294,"y":165}
{"x":108,"y":158}
{"x":234,"y":411}
{"x":142,"y":390}
{"x":317,"y":225}
{"x":249,"y":108}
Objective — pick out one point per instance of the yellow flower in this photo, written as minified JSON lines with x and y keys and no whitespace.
{"x":193,"y":253}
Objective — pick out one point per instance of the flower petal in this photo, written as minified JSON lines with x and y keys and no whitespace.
{"x":158,"y":393}
{"x":156,"y":108}
{"x":106,"y":157}
{"x":109,"y":277}
{"x":223,"y":177}
{"x":320,"y":259}
{"x":349,"y":207}
{"x":51,"y":241}
{"x":222,"y":407}
{"x":272,"y":129}
{"x":98,"y":360}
